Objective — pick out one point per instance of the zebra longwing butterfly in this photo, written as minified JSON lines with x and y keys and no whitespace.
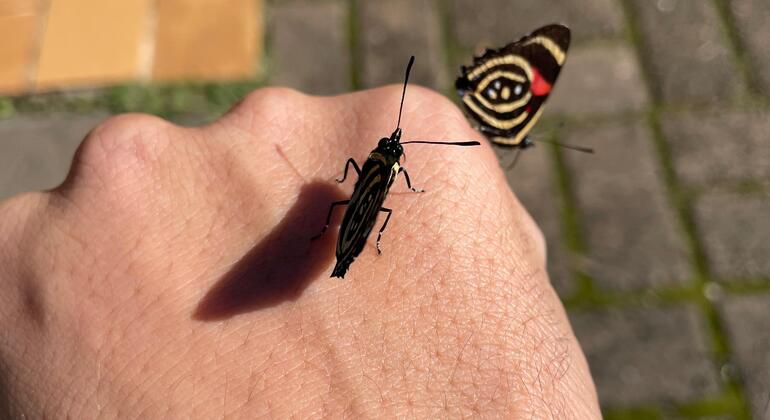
{"x":504,"y":90}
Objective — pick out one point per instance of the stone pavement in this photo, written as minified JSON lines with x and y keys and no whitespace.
{"x":659,"y":243}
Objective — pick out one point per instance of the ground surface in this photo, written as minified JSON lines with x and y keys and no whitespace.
{"x":658,"y":243}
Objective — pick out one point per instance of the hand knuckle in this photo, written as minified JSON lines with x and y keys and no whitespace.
{"x":121,"y":146}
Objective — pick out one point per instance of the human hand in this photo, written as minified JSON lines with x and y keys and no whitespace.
{"x":172,"y":275}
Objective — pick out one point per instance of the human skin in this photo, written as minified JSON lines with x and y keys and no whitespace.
{"x":172,"y":276}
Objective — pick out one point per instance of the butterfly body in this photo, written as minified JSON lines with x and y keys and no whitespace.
{"x":505,"y":89}
{"x":374,"y":181}
{"x":375,"y":178}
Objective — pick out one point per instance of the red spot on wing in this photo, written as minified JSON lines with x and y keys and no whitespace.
{"x":539,"y":86}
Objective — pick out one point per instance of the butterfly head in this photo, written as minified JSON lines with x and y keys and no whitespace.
{"x":391,"y":146}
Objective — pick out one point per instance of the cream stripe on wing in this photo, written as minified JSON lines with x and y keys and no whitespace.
{"x":494,"y":122}
{"x":522,"y":133}
{"x":499,"y":61}
{"x":496,"y":74}
{"x":556,"y":52}
{"x":504,"y":107}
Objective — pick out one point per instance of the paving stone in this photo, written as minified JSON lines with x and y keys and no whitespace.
{"x":392,"y":31}
{"x":746,"y":318}
{"x":720,"y":146}
{"x":599,"y":79}
{"x":736,"y":234}
{"x":688,"y":53}
{"x":36,"y":152}
{"x":91,"y":41}
{"x":752,"y":18}
{"x":495,"y":23}
{"x":310,"y":46}
{"x":206,"y":39}
{"x":633,"y":240}
{"x":642,"y":356}
{"x":533,"y":181}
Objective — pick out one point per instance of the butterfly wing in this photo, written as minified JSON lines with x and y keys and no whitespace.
{"x":504,"y":90}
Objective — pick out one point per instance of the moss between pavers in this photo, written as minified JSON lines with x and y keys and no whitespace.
{"x":6,"y":108}
{"x":167,"y":100}
{"x":729,"y":404}
{"x":353,"y":44}
{"x":647,"y":413}
{"x":736,"y":43}
{"x":733,"y":400}
{"x":746,"y":286}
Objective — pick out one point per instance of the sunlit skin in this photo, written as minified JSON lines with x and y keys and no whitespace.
{"x":172,"y":276}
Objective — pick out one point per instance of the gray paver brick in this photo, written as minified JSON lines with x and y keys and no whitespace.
{"x":747,"y":327}
{"x":736,"y":234}
{"x":497,"y":22}
{"x":310,"y":46}
{"x":688,"y":53}
{"x":720,"y":146}
{"x":533,"y":181}
{"x":36,"y":152}
{"x":752,"y":19}
{"x":633,"y":240}
{"x":599,"y":79}
{"x":647,"y":355}
{"x":392,"y":31}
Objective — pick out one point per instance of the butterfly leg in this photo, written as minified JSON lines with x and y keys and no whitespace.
{"x":329,"y":217}
{"x":515,"y":158}
{"x":379,"y":235}
{"x":350,"y":161}
{"x":408,"y":181}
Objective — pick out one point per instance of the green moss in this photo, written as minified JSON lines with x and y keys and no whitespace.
{"x":165,"y":100}
{"x":682,"y":204}
{"x":353,"y":44}
{"x":645,"y":413}
{"x":82,"y":101}
{"x":570,"y":217}
{"x":733,"y":36}
{"x":6,"y":108}
{"x":636,"y":38}
{"x":729,"y":402}
{"x":453,"y":53}
{"x":747,"y":286}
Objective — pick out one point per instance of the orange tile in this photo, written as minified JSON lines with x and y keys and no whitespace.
{"x":19,"y":24}
{"x":92,"y":41}
{"x":9,"y":8}
{"x":207,"y":39}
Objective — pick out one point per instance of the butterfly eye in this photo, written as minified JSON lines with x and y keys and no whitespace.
{"x":517,"y":90}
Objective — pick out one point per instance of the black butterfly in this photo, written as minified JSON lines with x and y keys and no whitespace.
{"x":380,"y":170}
{"x":504,"y":90}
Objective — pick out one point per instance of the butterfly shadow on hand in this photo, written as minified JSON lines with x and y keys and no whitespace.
{"x":281,"y":265}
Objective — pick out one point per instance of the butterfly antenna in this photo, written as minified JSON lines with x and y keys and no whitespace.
{"x":406,"y":81}
{"x":567,"y":146}
{"x":451,"y":143}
